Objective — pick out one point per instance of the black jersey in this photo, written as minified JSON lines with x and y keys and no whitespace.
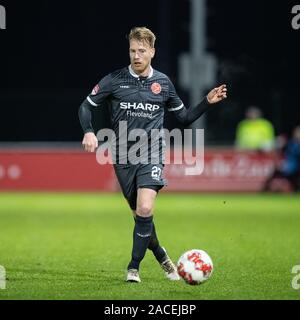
{"x":137,"y":102}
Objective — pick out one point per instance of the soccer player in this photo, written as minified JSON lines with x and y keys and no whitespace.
{"x":289,"y":168}
{"x":139,"y":96}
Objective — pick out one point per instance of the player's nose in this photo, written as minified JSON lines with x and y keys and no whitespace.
{"x":136,"y":56}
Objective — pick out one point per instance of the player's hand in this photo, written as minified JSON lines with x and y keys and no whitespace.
{"x":217,"y":94}
{"x":90,"y":142}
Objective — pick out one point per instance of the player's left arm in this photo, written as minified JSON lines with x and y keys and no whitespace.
{"x":187,"y":116}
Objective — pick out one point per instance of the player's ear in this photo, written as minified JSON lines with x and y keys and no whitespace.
{"x":152,"y":52}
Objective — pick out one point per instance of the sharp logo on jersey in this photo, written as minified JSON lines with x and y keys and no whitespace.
{"x":136,"y":106}
{"x":95,"y":90}
{"x":156,"y":88}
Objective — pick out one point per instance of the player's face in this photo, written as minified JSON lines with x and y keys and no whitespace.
{"x":140,"y":56}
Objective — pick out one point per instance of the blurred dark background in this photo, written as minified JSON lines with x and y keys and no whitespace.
{"x":53,"y":53}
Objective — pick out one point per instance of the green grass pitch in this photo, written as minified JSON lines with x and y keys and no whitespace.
{"x":77,"y":246}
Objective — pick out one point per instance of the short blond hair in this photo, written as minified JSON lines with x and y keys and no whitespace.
{"x":142,"y":34}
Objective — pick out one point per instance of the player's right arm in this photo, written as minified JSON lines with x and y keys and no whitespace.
{"x":100,"y":92}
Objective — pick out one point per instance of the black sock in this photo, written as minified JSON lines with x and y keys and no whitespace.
{"x":141,"y":236}
{"x":154,"y":246}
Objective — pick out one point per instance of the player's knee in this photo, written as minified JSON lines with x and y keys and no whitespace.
{"x":144,"y":210}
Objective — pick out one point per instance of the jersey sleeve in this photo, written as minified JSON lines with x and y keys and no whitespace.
{"x":101,"y":91}
{"x":97,"y":97}
{"x":174,"y":103}
{"x":184,"y":115}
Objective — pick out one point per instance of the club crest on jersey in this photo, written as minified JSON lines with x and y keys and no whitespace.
{"x":95,"y":90}
{"x":156,"y":88}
